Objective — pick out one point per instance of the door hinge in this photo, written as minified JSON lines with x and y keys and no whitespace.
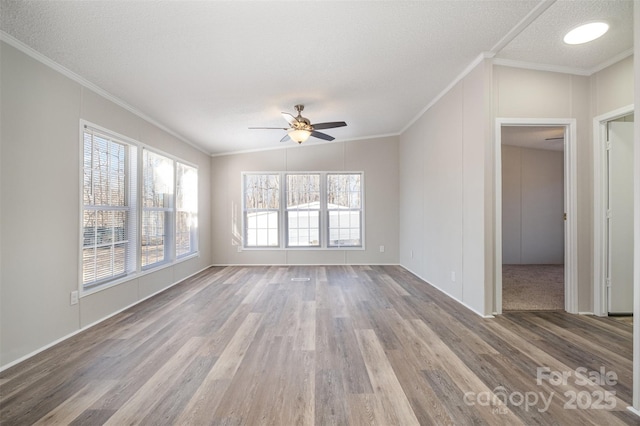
{"x":608,"y":282}
{"x":564,"y":216}
{"x":608,"y":213}
{"x":607,"y":145}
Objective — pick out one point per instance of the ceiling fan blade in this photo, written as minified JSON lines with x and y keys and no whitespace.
{"x":321,"y":135}
{"x":285,"y":138}
{"x":274,"y":128}
{"x":290,"y":118}
{"x":329,"y":125}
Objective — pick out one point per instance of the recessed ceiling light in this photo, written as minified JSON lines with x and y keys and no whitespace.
{"x":586,"y":33}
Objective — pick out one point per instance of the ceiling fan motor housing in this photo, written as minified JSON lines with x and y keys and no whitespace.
{"x":302,"y":123}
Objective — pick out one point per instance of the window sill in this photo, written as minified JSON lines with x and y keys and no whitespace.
{"x":359,"y":248}
{"x":135,"y":275}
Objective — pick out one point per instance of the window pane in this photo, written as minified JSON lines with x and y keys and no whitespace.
{"x":344,"y":202}
{"x":303,"y":228}
{"x":104,"y":231}
{"x":262,"y":191}
{"x":345,"y":228}
{"x":261,"y":229}
{"x":158,"y":202}
{"x":88,"y":265}
{"x":186,"y":209}
{"x":251,"y":237}
{"x":262,"y":236}
{"x":261,"y":204}
{"x":303,"y":191}
{"x":89,"y":228}
{"x":119,"y":229}
{"x":153,"y":237}
{"x":344,"y":190}
{"x":303,"y":210}
{"x":157,"y":180}
{"x":183,"y":233}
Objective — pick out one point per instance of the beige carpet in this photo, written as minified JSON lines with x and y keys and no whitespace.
{"x":532,"y":287}
{"x":626,"y":319}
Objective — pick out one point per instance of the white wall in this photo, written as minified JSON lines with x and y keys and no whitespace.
{"x":40,"y":174}
{"x":447,"y":169}
{"x":442,"y":192}
{"x":522,"y":93}
{"x":532,"y":206}
{"x":377,"y":158}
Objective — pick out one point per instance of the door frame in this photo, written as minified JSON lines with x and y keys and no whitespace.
{"x":600,"y":307}
{"x":570,"y":202}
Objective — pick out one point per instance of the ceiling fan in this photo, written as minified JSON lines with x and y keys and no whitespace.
{"x":301,"y":128}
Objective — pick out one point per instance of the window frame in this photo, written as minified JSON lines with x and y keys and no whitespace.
{"x":168,"y":211}
{"x":287,"y":210}
{"x":135,"y":198}
{"x":282,"y":215}
{"x":360,"y":210}
{"x":245,"y":211}
{"x":130,"y":187}
{"x":193,"y":232}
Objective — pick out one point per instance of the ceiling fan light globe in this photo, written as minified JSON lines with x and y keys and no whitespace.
{"x":299,"y":135}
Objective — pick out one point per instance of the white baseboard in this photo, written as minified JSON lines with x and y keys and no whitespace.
{"x":307,"y":264}
{"x":633,"y":410}
{"x":86,"y":327}
{"x":449,"y":295}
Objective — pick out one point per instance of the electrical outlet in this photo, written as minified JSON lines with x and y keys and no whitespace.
{"x":239,"y":249}
{"x":381,"y":249}
{"x":74,"y":297}
{"x":453,"y":276}
{"x":411,"y":253}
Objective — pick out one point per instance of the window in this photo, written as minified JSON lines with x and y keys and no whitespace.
{"x":262,"y":210}
{"x":344,"y":205}
{"x":186,"y":210}
{"x":126,"y":229}
{"x":157,"y":207}
{"x":108,"y":208}
{"x":317,"y":210}
{"x":303,"y":210}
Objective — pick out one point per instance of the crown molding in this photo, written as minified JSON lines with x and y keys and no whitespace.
{"x":562,"y":69}
{"x":313,"y":143}
{"x":622,"y":55}
{"x":29,"y":51}
{"x":541,"y":67}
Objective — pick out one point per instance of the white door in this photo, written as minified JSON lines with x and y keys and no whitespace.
{"x":620,"y":217}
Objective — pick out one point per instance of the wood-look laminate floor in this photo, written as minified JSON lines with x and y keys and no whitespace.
{"x":352,"y":345}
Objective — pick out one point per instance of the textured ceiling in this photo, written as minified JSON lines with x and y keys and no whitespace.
{"x":541,"y":42}
{"x":207,"y":70}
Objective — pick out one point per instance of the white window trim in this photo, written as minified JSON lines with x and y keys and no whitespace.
{"x":324,"y":228}
{"x":138,"y":270}
{"x":285,"y":209}
{"x":132,"y":242}
{"x":244,"y":212}
{"x":176,"y":211}
{"x":361,"y":210}
{"x":169,"y":226}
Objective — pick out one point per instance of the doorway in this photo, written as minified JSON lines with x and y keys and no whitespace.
{"x":533,"y":209}
{"x":569,"y":230}
{"x":613,"y":215}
